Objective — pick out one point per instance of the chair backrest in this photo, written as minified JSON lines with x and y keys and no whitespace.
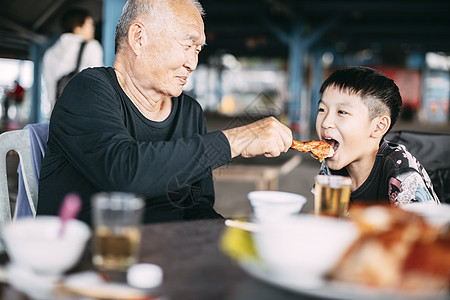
{"x":18,"y":141}
{"x":433,"y":152}
{"x":26,"y":205}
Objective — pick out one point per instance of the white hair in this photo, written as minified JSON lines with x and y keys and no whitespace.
{"x":157,"y":11}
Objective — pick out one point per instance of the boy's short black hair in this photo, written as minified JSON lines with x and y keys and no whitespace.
{"x":378,"y":92}
{"x":73,"y":18}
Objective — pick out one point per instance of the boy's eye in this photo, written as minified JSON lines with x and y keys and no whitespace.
{"x":321,"y":109}
{"x":341,"y":112}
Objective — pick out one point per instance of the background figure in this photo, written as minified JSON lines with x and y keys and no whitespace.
{"x":61,"y":58}
{"x":15,"y":96}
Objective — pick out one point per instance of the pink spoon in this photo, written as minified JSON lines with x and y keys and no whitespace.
{"x":69,"y":210}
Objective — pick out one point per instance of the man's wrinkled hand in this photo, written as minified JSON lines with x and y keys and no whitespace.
{"x":267,"y":136}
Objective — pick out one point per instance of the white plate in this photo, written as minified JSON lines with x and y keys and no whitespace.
{"x":437,"y":215}
{"x":331,"y":290}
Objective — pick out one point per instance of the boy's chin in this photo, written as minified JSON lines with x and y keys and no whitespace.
{"x":333,"y":164}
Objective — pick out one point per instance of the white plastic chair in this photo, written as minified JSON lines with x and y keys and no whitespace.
{"x":18,"y":141}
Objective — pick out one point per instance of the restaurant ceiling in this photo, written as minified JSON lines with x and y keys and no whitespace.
{"x":262,"y":27}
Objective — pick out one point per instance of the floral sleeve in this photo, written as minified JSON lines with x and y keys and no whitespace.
{"x":409,"y":187}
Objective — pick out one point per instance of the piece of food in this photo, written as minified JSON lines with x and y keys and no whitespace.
{"x":319,"y":149}
{"x":396,"y":249}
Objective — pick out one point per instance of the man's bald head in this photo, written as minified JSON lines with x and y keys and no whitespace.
{"x":156,"y":12}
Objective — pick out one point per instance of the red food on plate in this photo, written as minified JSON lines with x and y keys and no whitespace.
{"x":396,"y":249}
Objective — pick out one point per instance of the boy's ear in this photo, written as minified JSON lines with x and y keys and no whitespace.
{"x":382,"y":124}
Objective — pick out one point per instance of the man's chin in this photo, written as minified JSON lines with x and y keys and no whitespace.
{"x":177,"y":92}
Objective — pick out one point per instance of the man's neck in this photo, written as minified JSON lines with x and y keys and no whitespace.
{"x":153,"y":106}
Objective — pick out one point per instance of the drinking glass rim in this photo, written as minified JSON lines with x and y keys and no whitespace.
{"x":117,"y":201}
{"x":333,"y":180}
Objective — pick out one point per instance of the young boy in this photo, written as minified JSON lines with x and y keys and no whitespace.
{"x":359,"y":105}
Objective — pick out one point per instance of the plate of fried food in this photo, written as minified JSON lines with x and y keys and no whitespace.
{"x":380,"y":252}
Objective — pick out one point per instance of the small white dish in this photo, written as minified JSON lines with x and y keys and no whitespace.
{"x":304,"y":246}
{"x":145,"y":276}
{"x":270,"y":205}
{"x":34,"y":243}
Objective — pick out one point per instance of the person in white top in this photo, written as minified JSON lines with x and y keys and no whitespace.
{"x":61,"y":58}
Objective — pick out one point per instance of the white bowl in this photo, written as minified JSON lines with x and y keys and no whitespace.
{"x":269,"y":205}
{"x":303,"y":247}
{"x":34,"y":243}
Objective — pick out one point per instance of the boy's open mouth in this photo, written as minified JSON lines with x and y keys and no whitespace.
{"x":334,"y":144}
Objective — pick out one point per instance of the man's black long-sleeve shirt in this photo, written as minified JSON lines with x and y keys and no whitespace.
{"x":99,"y":141}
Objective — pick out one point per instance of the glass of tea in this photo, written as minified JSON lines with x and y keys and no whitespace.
{"x":332,"y":195}
{"x":117,"y":218}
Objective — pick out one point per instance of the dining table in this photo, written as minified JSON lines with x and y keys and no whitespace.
{"x":193,"y":263}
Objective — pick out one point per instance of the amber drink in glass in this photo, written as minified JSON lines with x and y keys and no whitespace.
{"x":117,"y":220}
{"x":332,"y":195}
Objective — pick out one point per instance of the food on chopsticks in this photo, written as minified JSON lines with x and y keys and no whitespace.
{"x":319,"y":149}
{"x":396,"y":249}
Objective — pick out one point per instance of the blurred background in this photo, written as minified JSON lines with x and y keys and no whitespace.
{"x":263,"y":57}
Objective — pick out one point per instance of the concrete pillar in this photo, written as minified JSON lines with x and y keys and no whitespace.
{"x":36,"y":54}
{"x":111,"y":14}
{"x":296,"y":80}
{"x":316,"y":83}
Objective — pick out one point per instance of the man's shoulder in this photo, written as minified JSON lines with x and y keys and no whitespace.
{"x":90,"y":82}
{"x":99,"y":73}
{"x":189,"y":102}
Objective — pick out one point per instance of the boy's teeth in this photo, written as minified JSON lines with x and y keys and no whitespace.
{"x":330,"y":141}
{"x":334,"y":144}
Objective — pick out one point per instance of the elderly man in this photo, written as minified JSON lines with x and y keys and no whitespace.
{"x":130,"y":128}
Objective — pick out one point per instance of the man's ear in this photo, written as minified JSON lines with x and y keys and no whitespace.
{"x":136,"y":37}
{"x":381,"y":126}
